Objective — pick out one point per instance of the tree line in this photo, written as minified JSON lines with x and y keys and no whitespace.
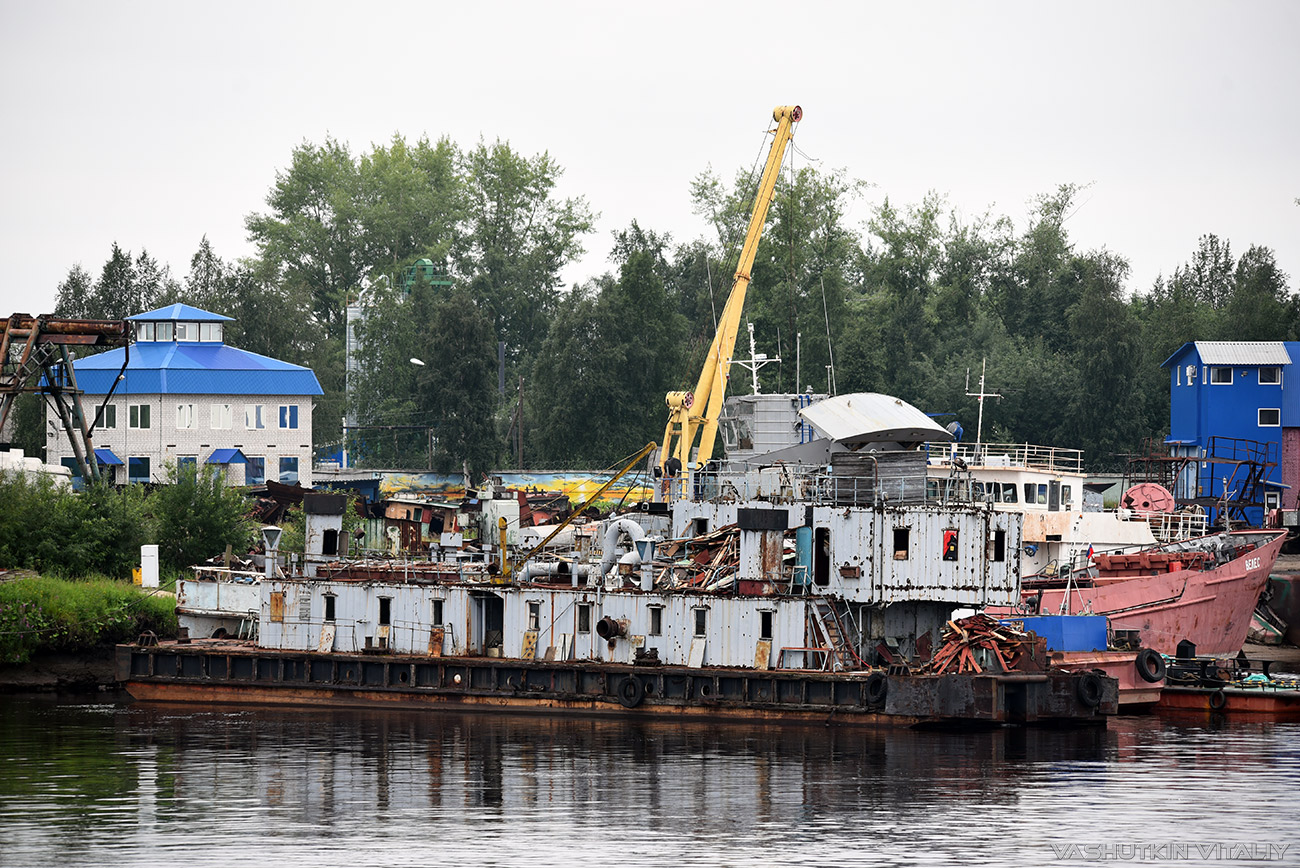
{"x":455,"y":252}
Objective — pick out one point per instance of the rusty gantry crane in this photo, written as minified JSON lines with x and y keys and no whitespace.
{"x":35,"y":356}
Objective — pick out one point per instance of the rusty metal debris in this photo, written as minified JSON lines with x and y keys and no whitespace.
{"x":983,"y":644}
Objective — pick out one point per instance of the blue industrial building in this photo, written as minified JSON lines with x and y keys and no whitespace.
{"x":177,"y":394}
{"x":1234,"y":416}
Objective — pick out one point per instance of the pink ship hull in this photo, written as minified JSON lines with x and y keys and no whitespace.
{"x":1212,"y":608}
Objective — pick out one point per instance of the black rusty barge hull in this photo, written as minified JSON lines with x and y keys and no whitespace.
{"x":217,"y":671}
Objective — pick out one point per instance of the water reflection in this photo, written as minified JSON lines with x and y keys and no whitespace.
{"x":147,"y":783}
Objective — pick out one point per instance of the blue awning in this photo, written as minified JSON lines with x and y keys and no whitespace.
{"x":106,"y":456}
{"x":226,"y":456}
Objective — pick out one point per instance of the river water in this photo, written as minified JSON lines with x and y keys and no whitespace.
{"x":120,"y":784}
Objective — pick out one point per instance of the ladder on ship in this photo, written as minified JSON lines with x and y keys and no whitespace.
{"x":833,"y":627}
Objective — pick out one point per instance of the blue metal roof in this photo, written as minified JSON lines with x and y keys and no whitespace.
{"x":106,"y":456}
{"x":169,"y":368}
{"x":180,"y":312}
{"x":226,"y":456}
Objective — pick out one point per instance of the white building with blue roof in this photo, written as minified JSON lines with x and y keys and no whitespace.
{"x":178,"y":394}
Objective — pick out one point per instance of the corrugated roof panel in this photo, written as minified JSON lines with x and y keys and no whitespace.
{"x":167,"y":368}
{"x":180,"y":312}
{"x":867,"y":417}
{"x":1243,"y":352}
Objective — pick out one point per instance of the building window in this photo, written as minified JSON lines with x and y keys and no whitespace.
{"x":185,"y":415}
{"x":108,"y":416}
{"x":138,"y":416}
{"x":701,"y":622}
{"x":329,"y":608}
{"x":902,"y":540}
{"x":187,"y":331}
{"x":210,"y":332}
{"x":656,"y":620}
{"x":1270,"y":418}
{"x":254,"y":471}
{"x":437,"y":613}
{"x":187,"y":461}
{"x":144,"y":331}
{"x":534,"y":616}
{"x":223,"y":416}
{"x":73,"y":467}
{"x":584,"y":617}
{"x":1270,"y":376}
{"x":254,"y":416}
{"x":765,"y":626}
{"x":385,"y":611}
{"x":165,"y":331}
{"x":1221,"y":376}
{"x":289,"y":471}
{"x":137,"y":469}
{"x":288,"y":415}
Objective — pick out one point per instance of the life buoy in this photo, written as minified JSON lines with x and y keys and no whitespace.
{"x":877,"y":688}
{"x":1218,"y":699}
{"x":1150,"y":665}
{"x":1090,"y":689}
{"x":631,"y":691}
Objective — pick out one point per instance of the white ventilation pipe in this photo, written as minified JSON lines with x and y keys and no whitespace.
{"x":609,"y":552}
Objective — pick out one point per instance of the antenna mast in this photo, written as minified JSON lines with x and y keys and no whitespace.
{"x":981,"y":394}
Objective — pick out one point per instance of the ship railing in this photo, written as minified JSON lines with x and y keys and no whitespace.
{"x":1050,"y":458}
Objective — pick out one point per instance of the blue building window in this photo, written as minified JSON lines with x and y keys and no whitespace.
{"x":289,"y":471}
{"x":137,"y":469}
{"x":1269,"y":417}
{"x":254,"y":471}
{"x":289,"y":416}
{"x":1270,"y":376}
{"x":187,"y":463}
{"x":1221,"y":376}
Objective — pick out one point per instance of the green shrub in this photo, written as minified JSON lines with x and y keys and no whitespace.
{"x":43,"y":613}
{"x":197,"y":515}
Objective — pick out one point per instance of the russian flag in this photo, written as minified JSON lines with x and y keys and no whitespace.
{"x":1091,"y":551}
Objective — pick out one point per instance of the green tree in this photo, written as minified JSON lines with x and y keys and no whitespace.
{"x":517,"y":238}
{"x":196,"y":515}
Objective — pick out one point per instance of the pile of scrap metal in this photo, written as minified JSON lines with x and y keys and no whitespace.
{"x":983,"y":644}
{"x":707,"y":562}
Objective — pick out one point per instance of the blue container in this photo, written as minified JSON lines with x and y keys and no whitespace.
{"x":1069,"y":632}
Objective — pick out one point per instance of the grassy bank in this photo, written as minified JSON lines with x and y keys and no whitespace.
{"x":43,"y":614}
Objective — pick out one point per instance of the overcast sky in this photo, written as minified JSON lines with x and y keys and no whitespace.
{"x":154,"y":124}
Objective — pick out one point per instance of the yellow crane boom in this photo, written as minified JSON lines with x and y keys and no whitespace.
{"x":696,"y":413}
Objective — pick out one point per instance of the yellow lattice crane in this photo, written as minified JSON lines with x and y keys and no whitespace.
{"x":692,"y":414}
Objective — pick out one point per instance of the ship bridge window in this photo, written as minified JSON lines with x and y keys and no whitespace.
{"x":765,"y":625}
{"x":656,"y":620}
{"x":385,"y":611}
{"x":437,"y":613}
{"x":534,"y":616}
{"x":584,"y":617}
{"x":1008,"y":492}
{"x":1036,"y":493}
{"x":701,"y":622}
{"x":329,"y":608}
{"x":1066,"y":498}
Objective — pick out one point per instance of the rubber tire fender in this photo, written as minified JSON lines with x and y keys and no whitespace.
{"x":876,"y":689}
{"x":1090,"y":689}
{"x":630,"y":692}
{"x":1150,"y":665}
{"x":1218,"y":700}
